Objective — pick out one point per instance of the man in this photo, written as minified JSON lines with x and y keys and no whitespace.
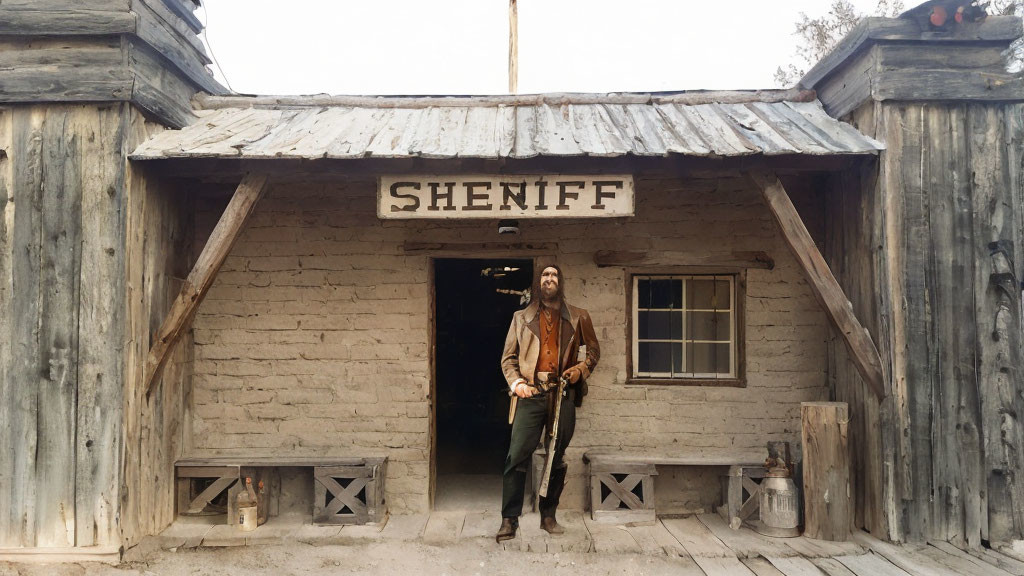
{"x":546,"y":339}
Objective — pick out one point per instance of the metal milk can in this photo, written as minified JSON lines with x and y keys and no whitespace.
{"x":780,"y":504}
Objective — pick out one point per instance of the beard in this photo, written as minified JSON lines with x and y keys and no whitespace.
{"x":549,"y":292}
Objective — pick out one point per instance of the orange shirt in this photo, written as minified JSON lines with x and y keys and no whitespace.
{"x":548,"y":360}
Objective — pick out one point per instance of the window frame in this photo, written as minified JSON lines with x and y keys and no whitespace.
{"x":739,"y":282}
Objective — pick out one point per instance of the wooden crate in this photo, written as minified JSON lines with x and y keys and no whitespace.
{"x":349,"y":494}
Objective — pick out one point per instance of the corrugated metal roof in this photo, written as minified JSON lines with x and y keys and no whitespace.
{"x":508,"y":127}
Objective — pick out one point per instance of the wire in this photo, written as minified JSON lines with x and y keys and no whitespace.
{"x":206,"y":39}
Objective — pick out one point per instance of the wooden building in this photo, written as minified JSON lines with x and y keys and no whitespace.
{"x":187,"y":273}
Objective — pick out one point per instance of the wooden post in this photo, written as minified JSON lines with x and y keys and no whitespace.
{"x":199,"y":280}
{"x":826,"y":470}
{"x":824,"y":285}
{"x":513,"y":47}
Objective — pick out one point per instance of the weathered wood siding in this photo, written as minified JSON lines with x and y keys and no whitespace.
{"x":159,"y":240}
{"x":64,"y":321}
{"x":931,"y":251}
{"x":854,"y":229}
{"x":61,"y":362}
{"x":104,"y":50}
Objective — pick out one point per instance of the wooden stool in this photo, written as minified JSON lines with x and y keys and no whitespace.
{"x":352,"y":494}
{"x":742,"y":493}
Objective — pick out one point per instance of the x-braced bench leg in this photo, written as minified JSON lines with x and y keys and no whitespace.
{"x":226,"y":476}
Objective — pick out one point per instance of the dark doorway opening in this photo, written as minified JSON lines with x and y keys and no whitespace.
{"x":475,"y":300}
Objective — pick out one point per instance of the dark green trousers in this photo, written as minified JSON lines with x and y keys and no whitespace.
{"x":531,"y":417}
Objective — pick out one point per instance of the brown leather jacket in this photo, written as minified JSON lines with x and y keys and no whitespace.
{"x":522,"y":345}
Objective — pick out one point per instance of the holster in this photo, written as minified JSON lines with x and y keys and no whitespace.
{"x":513,"y":402}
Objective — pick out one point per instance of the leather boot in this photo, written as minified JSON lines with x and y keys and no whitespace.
{"x":551,"y":526}
{"x":507,"y":530}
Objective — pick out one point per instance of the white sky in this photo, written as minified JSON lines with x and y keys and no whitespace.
{"x":461,"y":46}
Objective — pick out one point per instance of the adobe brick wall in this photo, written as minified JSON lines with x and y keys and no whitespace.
{"x":313,"y":340}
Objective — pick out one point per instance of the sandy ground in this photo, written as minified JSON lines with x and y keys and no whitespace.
{"x":406,"y":558}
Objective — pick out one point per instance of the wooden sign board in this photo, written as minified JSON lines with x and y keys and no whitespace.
{"x":505,"y":196}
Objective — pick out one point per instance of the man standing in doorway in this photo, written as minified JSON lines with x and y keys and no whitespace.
{"x":546,"y":339}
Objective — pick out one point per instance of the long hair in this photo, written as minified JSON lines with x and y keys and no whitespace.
{"x":535,"y":289}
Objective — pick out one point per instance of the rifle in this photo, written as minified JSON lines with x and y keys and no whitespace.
{"x":552,"y":434}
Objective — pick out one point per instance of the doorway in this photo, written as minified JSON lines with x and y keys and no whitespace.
{"x":474,"y":302}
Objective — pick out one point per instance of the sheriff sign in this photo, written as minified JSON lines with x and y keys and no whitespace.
{"x":516,"y":196}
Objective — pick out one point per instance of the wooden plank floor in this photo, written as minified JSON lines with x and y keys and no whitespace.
{"x":701,"y":545}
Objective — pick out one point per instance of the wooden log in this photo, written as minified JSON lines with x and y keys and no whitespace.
{"x":79,"y":21}
{"x":826,"y":470}
{"x":823,"y":284}
{"x":183,"y":51}
{"x":199,"y":280}
{"x":159,"y":89}
{"x":513,"y":47}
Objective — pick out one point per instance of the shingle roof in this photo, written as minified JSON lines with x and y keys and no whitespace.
{"x":603,"y":125}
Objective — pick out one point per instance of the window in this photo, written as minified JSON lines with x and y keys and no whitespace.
{"x":684,"y":327}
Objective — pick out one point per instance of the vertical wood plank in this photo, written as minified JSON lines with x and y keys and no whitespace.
{"x":158,"y":255}
{"x":9,"y":393}
{"x":998,"y":312}
{"x":919,"y":338}
{"x":871,"y":294}
{"x":101,"y":334}
{"x":940,"y":173}
{"x":899,"y":133}
{"x":60,"y":261}
{"x":24,"y":376}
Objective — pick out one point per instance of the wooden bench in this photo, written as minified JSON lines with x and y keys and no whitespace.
{"x":622,"y":484}
{"x":345,"y":490}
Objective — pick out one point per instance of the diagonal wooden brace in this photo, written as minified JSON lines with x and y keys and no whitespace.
{"x":826,"y":289}
{"x":344,"y":496}
{"x":621,"y":491}
{"x":199,"y":280}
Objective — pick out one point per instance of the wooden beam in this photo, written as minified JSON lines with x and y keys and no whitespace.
{"x":606,"y":258}
{"x":509,"y":249}
{"x":199,"y":280}
{"x":513,"y":47}
{"x":824,"y":285}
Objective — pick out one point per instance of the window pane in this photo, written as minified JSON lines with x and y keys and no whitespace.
{"x":707,"y":326}
{"x":700,"y":294}
{"x":661,"y":293}
{"x":655,"y":357}
{"x":643,"y":293}
{"x":677,"y":359}
{"x":711,"y":358}
{"x":677,"y":294}
{"x":722,"y":296}
{"x":677,"y":325}
{"x":653,"y":325}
